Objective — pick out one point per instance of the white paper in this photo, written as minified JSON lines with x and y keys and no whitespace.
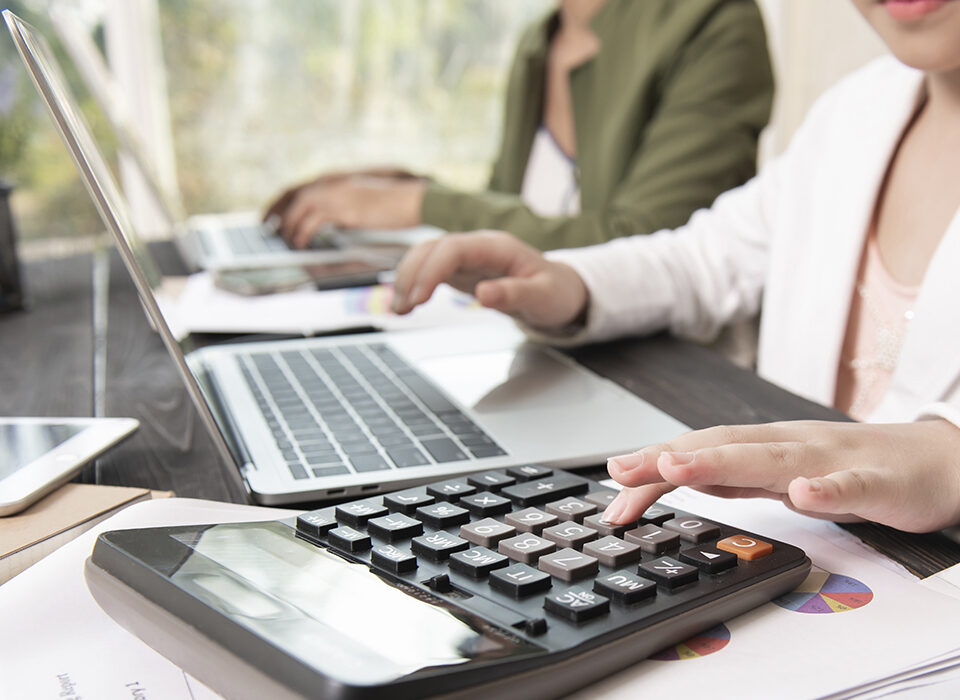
{"x":201,"y":307}
{"x":56,"y":642}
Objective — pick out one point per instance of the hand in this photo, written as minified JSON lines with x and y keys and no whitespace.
{"x":903,"y":475}
{"x":373,"y":199}
{"x":501,"y":271}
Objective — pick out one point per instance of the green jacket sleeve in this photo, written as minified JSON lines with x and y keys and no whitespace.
{"x":697,"y":138}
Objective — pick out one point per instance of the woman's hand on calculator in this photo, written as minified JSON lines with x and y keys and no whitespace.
{"x":904,"y":475}
{"x":501,"y":271}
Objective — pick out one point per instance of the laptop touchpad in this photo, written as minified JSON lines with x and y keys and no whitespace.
{"x":520,"y":379}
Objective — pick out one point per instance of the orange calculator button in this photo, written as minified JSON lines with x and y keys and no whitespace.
{"x":747,"y":548}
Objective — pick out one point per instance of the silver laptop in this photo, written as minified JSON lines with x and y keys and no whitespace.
{"x":332,"y":417}
{"x":225,"y":240}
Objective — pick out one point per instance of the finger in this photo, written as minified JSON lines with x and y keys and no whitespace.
{"x":406,"y":275}
{"x":859,"y":491}
{"x":280,"y":204}
{"x":532,"y":299}
{"x":635,"y":469}
{"x":769,"y":465}
{"x":307,"y":228}
{"x":305,"y":202}
{"x":630,"y":504}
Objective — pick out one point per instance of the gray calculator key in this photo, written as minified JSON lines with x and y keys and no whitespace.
{"x":657,"y":515}
{"x":530,"y":520}
{"x":348,"y":539}
{"x":407,"y":502}
{"x":569,"y":565}
{"x":597,"y":522}
{"x":357,"y":514}
{"x":437,"y":545}
{"x":443,"y":515}
{"x":315,"y":524}
{"x":538,"y":491}
{"x":487,"y":532}
{"x":485,"y":504}
{"x":394,"y":527}
{"x":567,"y":534}
{"x":709,"y":559}
{"x":601,"y":498}
{"x":477,"y":562}
{"x":450,"y":490}
{"x":491,"y":481}
{"x":613,"y":552}
{"x":653,"y":539}
{"x":526,"y":548}
{"x":571,"y":508}
{"x":528,"y":472}
{"x":693,"y":529}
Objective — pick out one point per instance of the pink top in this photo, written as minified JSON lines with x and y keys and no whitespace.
{"x":879,"y":314}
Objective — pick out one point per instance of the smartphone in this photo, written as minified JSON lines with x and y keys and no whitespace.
{"x":39,"y":454}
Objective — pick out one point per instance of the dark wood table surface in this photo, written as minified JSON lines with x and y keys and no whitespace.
{"x":48,"y":354}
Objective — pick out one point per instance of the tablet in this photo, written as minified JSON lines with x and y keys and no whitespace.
{"x":39,"y":454}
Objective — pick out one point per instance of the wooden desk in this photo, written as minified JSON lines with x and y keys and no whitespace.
{"x":47,"y":370}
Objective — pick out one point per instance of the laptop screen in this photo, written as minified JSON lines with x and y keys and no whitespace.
{"x":110,"y":203}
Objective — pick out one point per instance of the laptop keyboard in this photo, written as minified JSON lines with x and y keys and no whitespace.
{"x":355,"y":409}
{"x":252,"y":239}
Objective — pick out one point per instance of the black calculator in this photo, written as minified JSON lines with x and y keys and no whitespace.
{"x":506,"y":582}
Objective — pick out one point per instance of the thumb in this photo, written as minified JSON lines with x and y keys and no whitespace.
{"x":528,"y":298}
{"x":857,"y":491}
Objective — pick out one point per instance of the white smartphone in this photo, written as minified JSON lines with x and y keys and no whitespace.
{"x":39,"y":454}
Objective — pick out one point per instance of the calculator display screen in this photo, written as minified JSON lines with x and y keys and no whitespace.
{"x":22,"y":443}
{"x":331,"y":614}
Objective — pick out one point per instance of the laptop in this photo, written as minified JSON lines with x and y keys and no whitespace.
{"x":323,"y":418}
{"x":236,"y":240}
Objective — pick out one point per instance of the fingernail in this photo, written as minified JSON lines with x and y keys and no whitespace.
{"x":615,"y":509}
{"x":814,"y":485}
{"x":678,"y":459}
{"x":627,"y":462}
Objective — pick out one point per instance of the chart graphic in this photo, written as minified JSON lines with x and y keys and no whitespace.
{"x":705,"y":643}
{"x":368,"y":300}
{"x":823,"y":593}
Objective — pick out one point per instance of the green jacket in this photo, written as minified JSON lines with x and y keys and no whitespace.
{"x":667,"y":117}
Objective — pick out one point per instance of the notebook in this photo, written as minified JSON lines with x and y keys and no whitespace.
{"x":225,"y":240}
{"x":323,"y":418}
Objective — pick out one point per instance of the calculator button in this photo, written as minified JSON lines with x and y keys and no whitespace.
{"x":394,"y":527}
{"x":539,"y":491}
{"x":315,"y":524}
{"x":450,"y":490}
{"x":569,"y":565}
{"x":653,"y":539}
{"x":487,"y":532}
{"x":407,"y":502}
{"x":491,"y":481}
{"x":526,"y":548}
{"x":746,"y":548}
{"x":530,"y":520}
{"x":604,"y":528}
{"x":437,"y":545}
{"x":657,"y":515}
{"x":668,"y":572}
{"x":485,"y":504}
{"x":569,"y":535}
{"x":528,"y":472}
{"x":601,"y":498}
{"x":693,"y":529}
{"x":708,"y":559}
{"x":393,"y":559}
{"x":348,"y":539}
{"x":577,"y":604}
{"x":613,"y":552}
{"x":357,"y":514}
{"x":625,"y":587}
{"x":571,"y":509}
{"x":443,"y":515}
{"x":477,"y":562}
{"x":519,"y":581}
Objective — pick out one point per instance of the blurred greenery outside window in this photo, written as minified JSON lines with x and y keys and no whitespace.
{"x":263,"y":93}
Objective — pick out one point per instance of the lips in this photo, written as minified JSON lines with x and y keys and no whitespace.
{"x":909,"y":10}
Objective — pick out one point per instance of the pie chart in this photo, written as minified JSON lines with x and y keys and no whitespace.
{"x":705,"y":643}
{"x":823,"y":593}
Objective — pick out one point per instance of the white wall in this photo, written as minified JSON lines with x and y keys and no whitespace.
{"x":813,"y":44}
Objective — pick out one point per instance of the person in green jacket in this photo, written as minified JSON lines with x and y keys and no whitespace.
{"x":622,"y":117}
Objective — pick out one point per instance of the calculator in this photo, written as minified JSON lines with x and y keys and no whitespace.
{"x":506,"y":582}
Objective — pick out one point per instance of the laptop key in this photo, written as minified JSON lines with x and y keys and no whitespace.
{"x":296,"y":470}
{"x":329,"y":471}
{"x":443,"y":450}
{"x":407,"y":456}
{"x":368,"y":463}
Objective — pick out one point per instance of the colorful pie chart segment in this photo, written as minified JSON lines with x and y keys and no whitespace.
{"x":823,"y":593}
{"x":705,"y":643}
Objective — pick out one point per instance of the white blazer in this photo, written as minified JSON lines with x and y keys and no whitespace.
{"x":794,"y":236}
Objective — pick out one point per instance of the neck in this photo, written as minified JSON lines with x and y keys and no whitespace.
{"x":578,"y":13}
{"x":943,"y":95}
